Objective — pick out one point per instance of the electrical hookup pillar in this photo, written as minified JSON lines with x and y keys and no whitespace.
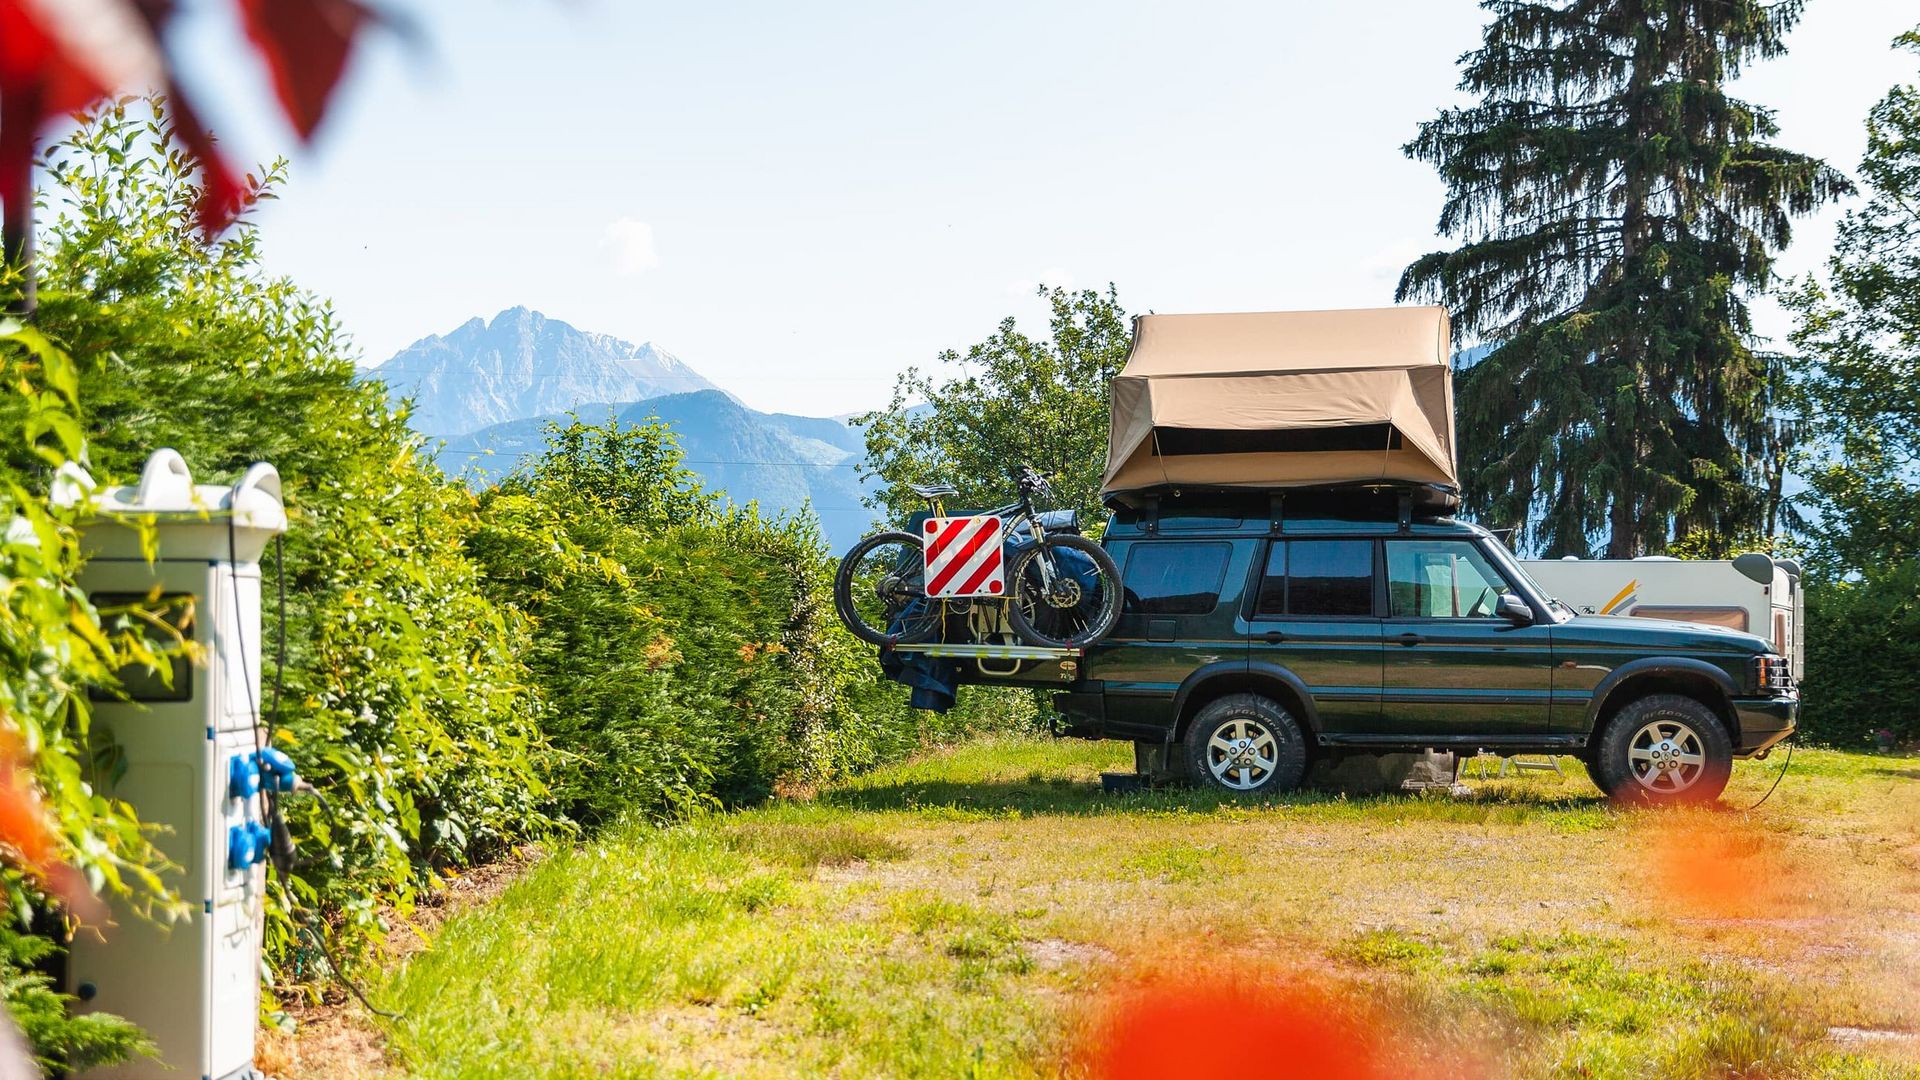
{"x":190,"y":747}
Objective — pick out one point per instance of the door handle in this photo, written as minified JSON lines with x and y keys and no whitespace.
{"x":1274,"y":637}
{"x":1410,"y":639}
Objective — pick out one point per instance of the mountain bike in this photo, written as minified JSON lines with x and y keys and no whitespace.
{"x":1055,"y":587}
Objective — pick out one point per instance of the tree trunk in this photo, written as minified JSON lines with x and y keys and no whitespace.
{"x":1620,"y":527}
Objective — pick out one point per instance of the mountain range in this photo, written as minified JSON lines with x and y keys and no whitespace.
{"x":486,"y":392}
{"x":523,"y":364}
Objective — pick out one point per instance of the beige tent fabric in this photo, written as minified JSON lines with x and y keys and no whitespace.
{"x":1266,"y":372}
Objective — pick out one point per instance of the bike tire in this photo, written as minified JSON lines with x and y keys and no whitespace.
{"x":1099,"y":619}
{"x":913,"y":629}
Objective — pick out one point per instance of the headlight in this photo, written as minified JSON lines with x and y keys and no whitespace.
{"x":1772,"y":676}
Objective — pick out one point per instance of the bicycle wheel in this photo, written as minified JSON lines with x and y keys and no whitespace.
{"x":880,"y":591}
{"x":1066,"y":592}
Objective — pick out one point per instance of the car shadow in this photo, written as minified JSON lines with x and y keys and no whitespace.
{"x":1073,"y":797}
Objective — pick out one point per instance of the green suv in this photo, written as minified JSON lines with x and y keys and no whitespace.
{"x":1261,"y":633}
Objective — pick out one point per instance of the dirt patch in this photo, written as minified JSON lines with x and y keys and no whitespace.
{"x":458,"y":891}
{"x":331,"y":1041}
{"x":1849,"y":1036}
{"x":336,"y":1039}
{"x":1052,"y":953}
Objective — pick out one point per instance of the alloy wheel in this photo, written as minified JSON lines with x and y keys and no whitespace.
{"x":1666,"y":757}
{"x":1242,"y":754}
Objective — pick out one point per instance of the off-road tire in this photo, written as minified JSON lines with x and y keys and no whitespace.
{"x":919,"y":630}
{"x":1635,"y":763}
{"x":1102,"y":620}
{"x":1245,"y":724}
{"x":1593,"y":769}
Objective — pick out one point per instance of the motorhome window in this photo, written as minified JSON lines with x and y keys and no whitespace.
{"x":1175,"y":578}
{"x":1329,"y":577}
{"x":167,"y":624}
{"x":1441,"y":579}
{"x":1733,"y":618}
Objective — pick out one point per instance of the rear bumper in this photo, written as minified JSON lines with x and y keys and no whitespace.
{"x":1763,"y":723}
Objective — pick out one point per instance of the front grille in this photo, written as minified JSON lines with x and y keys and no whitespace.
{"x":1772,"y":676}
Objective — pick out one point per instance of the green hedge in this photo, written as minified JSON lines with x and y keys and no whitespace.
{"x":687,"y":648}
{"x":1863,"y":659}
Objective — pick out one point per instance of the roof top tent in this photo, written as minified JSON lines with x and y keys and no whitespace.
{"x":1285,"y":400}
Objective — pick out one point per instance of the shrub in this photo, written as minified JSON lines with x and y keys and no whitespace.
{"x":405,"y":701}
{"x":687,"y":648}
{"x":1863,"y":658}
{"x":53,"y":646}
{"x":60,"y":1042}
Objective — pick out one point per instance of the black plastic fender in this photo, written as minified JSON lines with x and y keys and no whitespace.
{"x":1661,"y":665}
{"x":1244,"y":675}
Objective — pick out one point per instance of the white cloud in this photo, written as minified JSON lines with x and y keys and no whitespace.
{"x":632,"y":244}
{"x":1053,"y":277}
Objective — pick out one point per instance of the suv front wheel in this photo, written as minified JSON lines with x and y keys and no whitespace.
{"x":1248,"y":745}
{"x":1665,"y":748}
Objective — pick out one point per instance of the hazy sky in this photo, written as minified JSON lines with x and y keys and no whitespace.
{"x":801,"y":200}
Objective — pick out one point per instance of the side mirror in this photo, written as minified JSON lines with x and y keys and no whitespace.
{"x":1513,"y":609}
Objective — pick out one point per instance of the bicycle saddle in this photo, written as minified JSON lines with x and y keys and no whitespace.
{"x":933,"y":491}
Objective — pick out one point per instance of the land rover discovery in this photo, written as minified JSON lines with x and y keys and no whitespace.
{"x":1261,"y":633}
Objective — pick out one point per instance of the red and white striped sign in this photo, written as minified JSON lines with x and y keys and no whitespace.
{"x":963,"y":556}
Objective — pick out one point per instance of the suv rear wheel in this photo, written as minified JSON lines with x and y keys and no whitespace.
{"x":1246,"y":744}
{"x":1664,"y":748}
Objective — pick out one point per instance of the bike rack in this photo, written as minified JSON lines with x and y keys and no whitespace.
{"x":1065,"y":666}
{"x":990,"y":652}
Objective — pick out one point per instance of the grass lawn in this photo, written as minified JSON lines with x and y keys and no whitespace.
{"x":976,"y":912}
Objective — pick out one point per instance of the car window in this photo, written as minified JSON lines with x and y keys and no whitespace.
{"x":1322,"y":577}
{"x":1181,"y":578}
{"x":1273,"y":582}
{"x":1442,"y":579}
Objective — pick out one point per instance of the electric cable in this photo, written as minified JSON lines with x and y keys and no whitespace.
{"x":1782,"y":775}
{"x":280,"y":847}
{"x":340,"y":976}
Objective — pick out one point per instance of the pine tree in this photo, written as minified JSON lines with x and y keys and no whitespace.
{"x":1616,"y":208}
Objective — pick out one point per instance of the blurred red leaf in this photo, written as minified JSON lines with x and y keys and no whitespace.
{"x":1232,"y":1024}
{"x":223,"y":194}
{"x":306,"y":44}
{"x":58,"y":56}
{"x":38,"y":78}
{"x":25,"y":830}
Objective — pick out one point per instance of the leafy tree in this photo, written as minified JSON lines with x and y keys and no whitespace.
{"x":1617,"y":206}
{"x":1010,"y":400}
{"x":1860,"y":331}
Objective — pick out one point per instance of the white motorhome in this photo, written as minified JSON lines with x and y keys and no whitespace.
{"x":1754,"y":593}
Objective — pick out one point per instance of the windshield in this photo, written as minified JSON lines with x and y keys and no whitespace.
{"x":1515,"y":572}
